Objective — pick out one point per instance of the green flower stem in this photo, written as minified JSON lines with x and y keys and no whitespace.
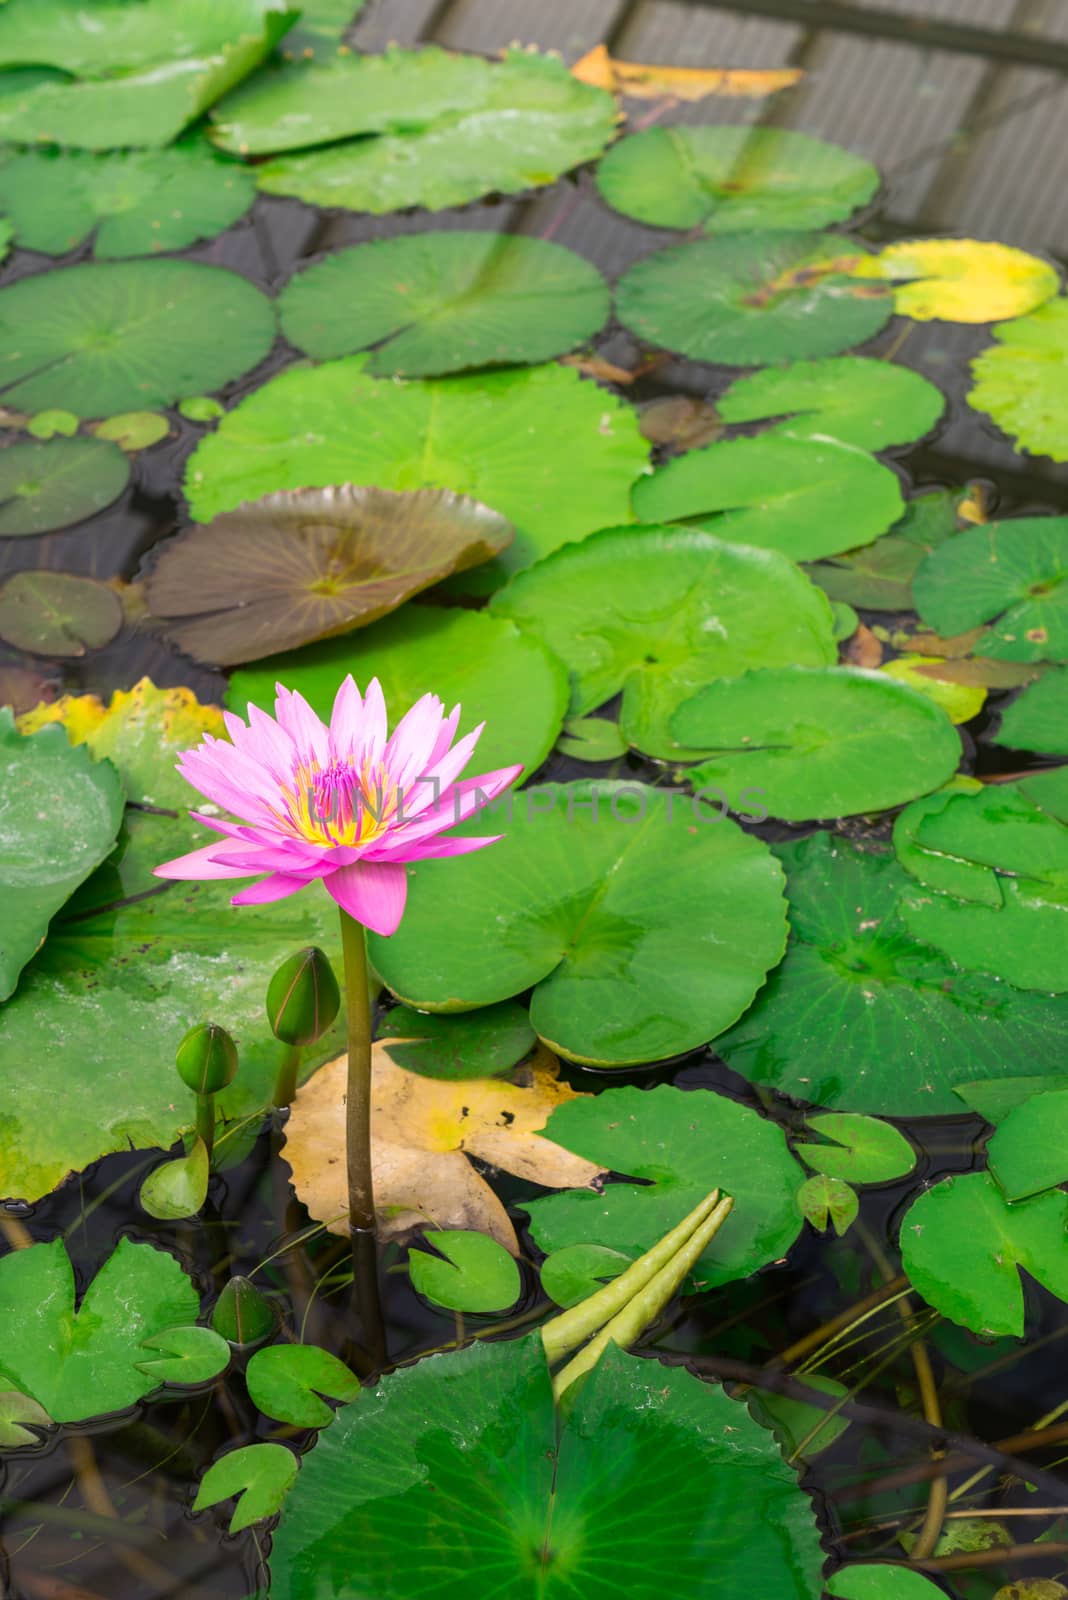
{"x":567,"y":1331}
{"x":206,"y":1121}
{"x":358,"y":1097}
{"x":285,"y":1085}
{"x":648,"y":1303}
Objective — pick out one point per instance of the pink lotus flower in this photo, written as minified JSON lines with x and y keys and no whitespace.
{"x":343,"y":803}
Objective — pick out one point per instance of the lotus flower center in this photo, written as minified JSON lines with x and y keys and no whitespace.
{"x":343,"y":804}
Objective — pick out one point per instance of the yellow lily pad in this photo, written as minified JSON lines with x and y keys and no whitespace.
{"x":961,"y":280}
{"x":960,"y":701}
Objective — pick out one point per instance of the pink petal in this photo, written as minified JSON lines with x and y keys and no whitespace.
{"x":444,"y":845}
{"x":346,"y":721}
{"x":210,"y":861}
{"x":308,"y":731}
{"x":458,"y":803}
{"x":371,"y":892}
{"x":444,"y":740}
{"x":276,"y":887}
{"x":413,"y":741}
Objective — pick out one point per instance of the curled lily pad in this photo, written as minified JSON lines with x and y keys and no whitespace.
{"x":961,"y":280}
{"x":659,"y":612}
{"x":440,"y":301}
{"x":308,"y":563}
{"x":1007,"y":574}
{"x":438,"y":129}
{"x":817,"y":741}
{"x":552,"y":453}
{"x":863,"y":1016}
{"x":808,"y":498}
{"x":115,"y":75}
{"x":115,"y":336}
{"x":753,"y":299}
{"x":1020,"y":380}
{"x":131,"y":202}
{"x":46,"y":486}
{"x":533,"y":1507}
{"x":855,"y":399}
{"x":734,"y":179}
{"x":59,"y":817}
{"x":55,"y":614}
{"x":645,"y":924}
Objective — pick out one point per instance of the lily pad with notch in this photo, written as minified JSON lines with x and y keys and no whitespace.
{"x":863,"y":1016}
{"x":306,"y":564}
{"x":659,"y":612}
{"x":645,"y":927}
{"x":854,"y":399}
{"x":551,"y":1504}
{"x":114,"y":336}
{"x":734,"y":179}
{"x":817,"y":741}
{"x":49,"y":486}
{"x":808,"y":498}
{"x":1012,"y":575}
{"x":552,"y":453}
{"x":441,"y":301}
{"x":961,"y":280}
{"x":129,"y":202}
{"x":56,"y":614}
{"x":753,"y":299}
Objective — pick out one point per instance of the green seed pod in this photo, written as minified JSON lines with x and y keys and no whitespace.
{"x":206,"y":1058}
{"x":242,"y":1314}
{"x":303,"y":998}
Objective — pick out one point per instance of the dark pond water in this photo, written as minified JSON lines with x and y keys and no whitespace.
{"x":103,"y":1513}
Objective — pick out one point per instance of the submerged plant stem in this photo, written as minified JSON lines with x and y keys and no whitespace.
{"x":206,"y":1121}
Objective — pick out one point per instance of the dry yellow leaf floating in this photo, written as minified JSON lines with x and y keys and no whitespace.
{"x":642,"y":82}
{"x":961,"y":280}
{"x":423,"y":1130}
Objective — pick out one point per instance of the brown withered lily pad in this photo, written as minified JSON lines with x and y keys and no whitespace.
{"x":304,"y":564}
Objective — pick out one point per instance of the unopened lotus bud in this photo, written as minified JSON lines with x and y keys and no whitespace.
{"x":303,"y":998}
{"x":242,"y":1314}
{"x":206,"y":1058}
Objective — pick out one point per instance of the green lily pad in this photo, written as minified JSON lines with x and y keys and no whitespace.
{"x":178,"y":1188}
{"x":1020,"y":382}
{"x":47,"y":424}
{"x":934,"y":868}
{"x":827,"y":1203}
{"x":1008,"y":574}
{"x":462,"y":1473}
{"x":579,"y":1270}
{"x":803,"y":1430}
{"x":260,"y":1475}
{"x":733,"y":179}
{"x":117,"y":336}
{"x":436,"y":129}
{"x":1027,"y":1152}
{"x":881,"y":1580}
{"x":286,"y":1380}
{"x":18,"y":1416}
{"x":132,"y":202}
{"x":805,"y":498}
{"x":645,"y":924}
{"x":592,"y":739}
{"x":47,"y":486}
{"x":858,"y":401}
{"x":659,"y":612}
{"x":753,"y":299}
{"x":679,"y":1144}
{"x":83,"y":1363}
{"x":879,"y":576}
{"x":185,"y":1355}
{"x":498,"y":675}
{"x":1037,"y":719}
{"x":306,"y":564}
{"x":859,"y":1149}
{"x":127,"y":75}
{"x":994,"y":1099}
{"x":963,"y":1245}
{"x":441,"y":301}
{"x":817,"y":741}
{"x":552,"y":453}
{"x":321,"y":29}
{"x":60,"y":814}
{"x":475,"y":1044}
{"x":54,"y":614}
{"x":471,"y":1273}
{"x":862,"y":1016}
{"x":134,"y":430}
{"x":101,"y":1010}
